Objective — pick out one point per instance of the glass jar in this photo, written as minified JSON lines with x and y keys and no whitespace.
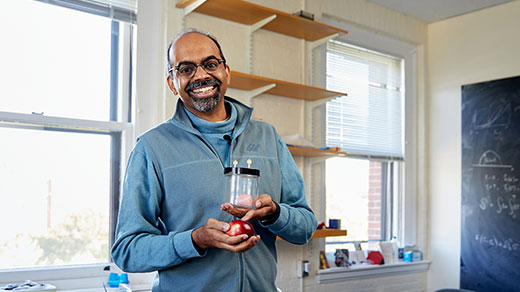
{"x":242,"y":186}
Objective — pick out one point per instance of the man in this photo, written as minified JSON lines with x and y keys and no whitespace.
{"x":174,"y":212}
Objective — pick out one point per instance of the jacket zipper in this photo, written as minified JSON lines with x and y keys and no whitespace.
{"x":241,"y":269}
{"x":231,"y":152}
{"x":241,"y":272}
{"x":201,"y":137}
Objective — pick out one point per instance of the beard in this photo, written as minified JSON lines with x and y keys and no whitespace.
{"x":208,"y":103}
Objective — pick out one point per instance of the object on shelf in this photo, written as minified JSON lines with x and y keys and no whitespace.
{"x":334,"y":223}
{"x":341,"y":257}
{"x":389,"y":251}
{"x":324,"y":263}
{"x":400,"y":252}
{"x":249,"y":14}
{"x":412,"y":256}
{"x":357,"y":257}
{"x":375,"y":258}
{"x":321,"y":226}
{"x":304,"y":14}
{"x":123,"y":279}
{"x":417,"y":255}
{"x":408,"y":256}
{"x":114,"y":279}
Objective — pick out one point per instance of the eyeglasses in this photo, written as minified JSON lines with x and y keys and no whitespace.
{"x":188,"y":69}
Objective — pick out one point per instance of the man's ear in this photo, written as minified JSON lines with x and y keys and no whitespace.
{"x":171,"y":85}
{"x":228,"y":71}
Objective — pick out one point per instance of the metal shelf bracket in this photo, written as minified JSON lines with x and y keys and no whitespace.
{"x":192,"y":6}
{"x":256,"y":92}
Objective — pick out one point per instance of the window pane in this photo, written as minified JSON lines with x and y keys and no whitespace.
{"x":59,"y":67}
{"x":354,"y":196}
{"x":55,"y":191}
{"x":369,"y":121}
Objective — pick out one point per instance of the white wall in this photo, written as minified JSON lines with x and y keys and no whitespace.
{"x":149,"y":98}
{"x":477,"y":47}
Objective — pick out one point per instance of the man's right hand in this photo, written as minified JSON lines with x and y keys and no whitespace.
{"x":213,"y":234}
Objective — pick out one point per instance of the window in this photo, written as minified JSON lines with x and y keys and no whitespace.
{"x":365,"y":189}
{"x":65,"y":104}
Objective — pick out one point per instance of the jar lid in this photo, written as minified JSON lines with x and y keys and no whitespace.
{"x":241,"y":170}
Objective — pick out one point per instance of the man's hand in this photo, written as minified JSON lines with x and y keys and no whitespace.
{"x":264,"y":207}
{"x":213,"y":234}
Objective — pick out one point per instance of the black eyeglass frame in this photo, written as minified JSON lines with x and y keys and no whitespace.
{"x":176,"y":68}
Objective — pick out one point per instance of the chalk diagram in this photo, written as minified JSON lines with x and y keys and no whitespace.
{"x":497,"y":115}
{"x":491,"y":159}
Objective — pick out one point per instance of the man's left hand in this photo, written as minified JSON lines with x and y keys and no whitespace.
{"x":264,"y":207}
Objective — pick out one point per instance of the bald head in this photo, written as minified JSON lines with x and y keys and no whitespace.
{"x":170,"y":52}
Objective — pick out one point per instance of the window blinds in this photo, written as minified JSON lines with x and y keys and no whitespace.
{"x":121,"y":10}
{"x":369,"y":121}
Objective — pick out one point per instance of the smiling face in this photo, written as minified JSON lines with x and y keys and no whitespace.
{"x":203,"y":93}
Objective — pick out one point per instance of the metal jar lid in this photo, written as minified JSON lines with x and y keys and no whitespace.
{"x":241,"y":170}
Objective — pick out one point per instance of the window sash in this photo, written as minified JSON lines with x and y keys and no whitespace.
{"x":369,"y":121}
{"x":120,"y":10}
{"x":390,"y":197}
{"x":121,"y":140}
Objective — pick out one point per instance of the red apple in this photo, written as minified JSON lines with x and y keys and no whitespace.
{"x":238,"y":227}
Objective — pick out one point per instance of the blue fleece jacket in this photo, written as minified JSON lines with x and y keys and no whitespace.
{"x":214,"y":132}
{"x":175,"y":182}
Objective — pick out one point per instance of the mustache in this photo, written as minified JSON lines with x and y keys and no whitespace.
{"x":206,"y":82}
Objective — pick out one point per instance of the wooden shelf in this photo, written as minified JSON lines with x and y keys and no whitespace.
{"x":249,"y":13}
{"x":321,"y":233}
{"x":245,"y":81}
{"x":329,"y":232}
{"x":312,"y":152}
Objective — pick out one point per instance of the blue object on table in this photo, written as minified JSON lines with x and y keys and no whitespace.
{"x":400,"y":252}
{"x":113,"y":280}
{"x":408,"y":256}
{"x":123,"y":279}
{"x":417,"y":255}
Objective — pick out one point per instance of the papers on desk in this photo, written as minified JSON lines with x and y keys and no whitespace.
{"x":29,"y":286}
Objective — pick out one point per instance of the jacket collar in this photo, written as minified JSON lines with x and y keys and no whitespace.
{"x":181,"y":119}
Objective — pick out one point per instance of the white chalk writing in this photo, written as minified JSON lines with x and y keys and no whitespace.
{"x":510,"y":178}
{"x":492,"y":241}
{"x":507,"y":206}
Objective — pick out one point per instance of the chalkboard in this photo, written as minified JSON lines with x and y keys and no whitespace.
{"x":490,"y":226}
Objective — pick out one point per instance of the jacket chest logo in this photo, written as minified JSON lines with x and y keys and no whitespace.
{"x":252,"y":147}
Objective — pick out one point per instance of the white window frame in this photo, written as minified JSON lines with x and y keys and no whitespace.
{"x":88,"y":277}
{"x":72,"y":277}
{"x":408,"y":200}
